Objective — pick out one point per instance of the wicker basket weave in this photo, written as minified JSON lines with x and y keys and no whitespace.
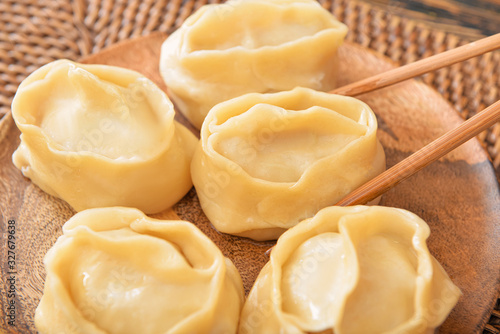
{"x":33,"y":33}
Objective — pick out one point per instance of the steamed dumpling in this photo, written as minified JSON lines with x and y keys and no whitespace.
{"x":267,"y":161}
{"x":97,"y":135}
{"x":114,"y":270}
{"x":351,"y":270}
{"x":227,"y":50}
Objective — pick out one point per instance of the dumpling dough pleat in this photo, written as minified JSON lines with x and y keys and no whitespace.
{"x":351,"y":270}
{"x":226,"y":50}
{"x":115,"y":270}
{"x":97,"y":136}
{"x":267,"y":161}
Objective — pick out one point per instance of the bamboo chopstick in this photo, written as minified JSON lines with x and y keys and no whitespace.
{"x":439,"y":147}
{"x":422,"y":66}
{"x":423,"y":157}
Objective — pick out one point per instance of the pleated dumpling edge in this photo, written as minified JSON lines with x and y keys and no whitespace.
{"x":98,"y":135}
{"x":267,"y":161}
{"x":226,"y":50}
{"x":115,"y":270}
{"x":352,"y":270}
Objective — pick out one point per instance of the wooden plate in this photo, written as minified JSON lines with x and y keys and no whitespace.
{"x":458,"y":196}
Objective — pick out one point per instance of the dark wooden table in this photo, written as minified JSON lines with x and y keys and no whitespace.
{"x":469,"y":19}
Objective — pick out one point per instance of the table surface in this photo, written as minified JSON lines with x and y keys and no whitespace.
{"x":469,"y":19}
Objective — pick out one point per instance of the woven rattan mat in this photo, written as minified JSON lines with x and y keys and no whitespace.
{"x":33,"y":33}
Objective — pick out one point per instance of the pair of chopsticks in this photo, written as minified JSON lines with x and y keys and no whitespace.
{"x":439,"y":147}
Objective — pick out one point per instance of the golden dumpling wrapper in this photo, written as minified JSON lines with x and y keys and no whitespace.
{"x":114,"y":270}
{"x":267,"y":161}
{"x":226,"y":50}
{"x":351,"y":270}
{"x":97,"y":136}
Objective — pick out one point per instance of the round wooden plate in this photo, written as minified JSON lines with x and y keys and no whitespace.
{"x":458,"y":196}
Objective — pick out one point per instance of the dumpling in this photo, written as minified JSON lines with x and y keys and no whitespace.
{"x":351,"y":270}
{"x":242,"y":46}
{"x":267,"y":161}
{"x":114,"y":270}
{"x":97,"y":136}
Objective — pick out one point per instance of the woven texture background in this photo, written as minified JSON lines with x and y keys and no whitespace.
{"x":33,"y":33}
